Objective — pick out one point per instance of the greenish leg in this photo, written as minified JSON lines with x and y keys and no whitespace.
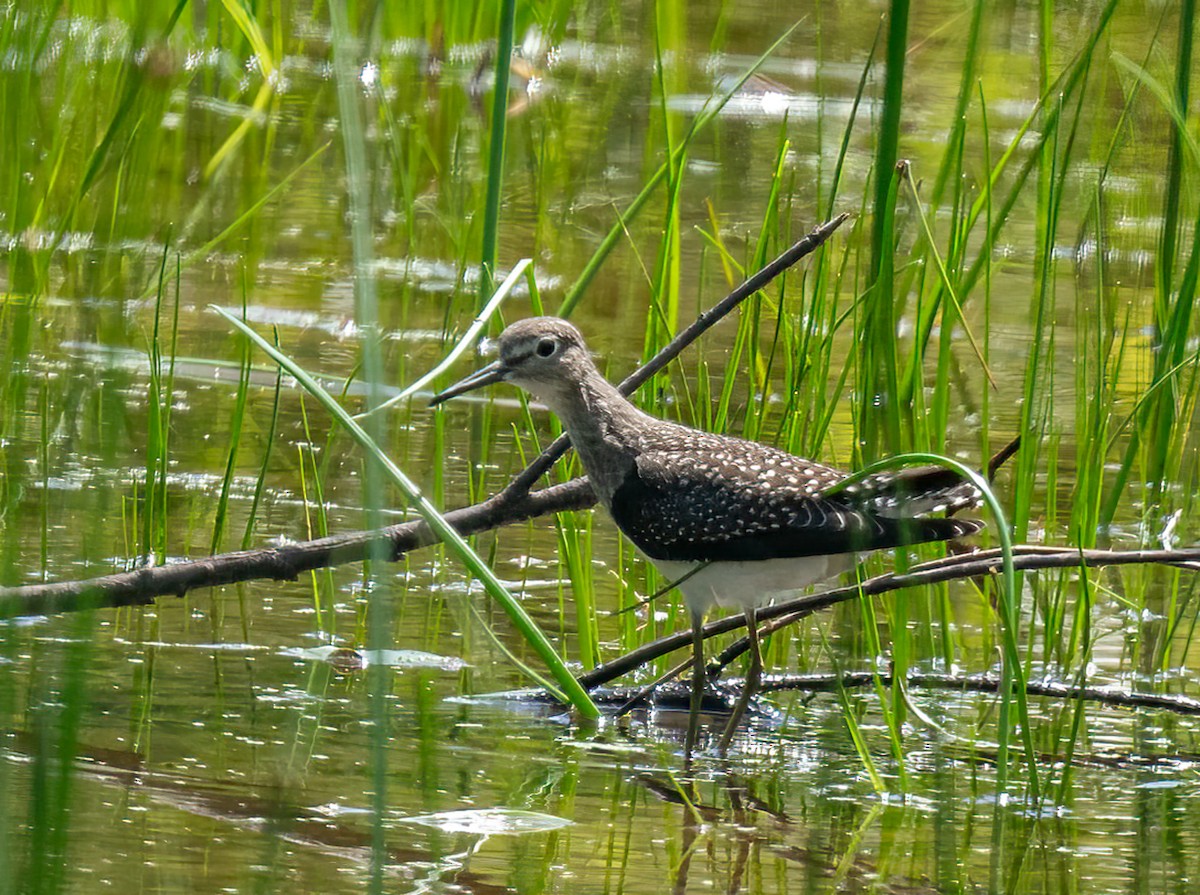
{"x":699,"y":676}
{"x":753,"y":678}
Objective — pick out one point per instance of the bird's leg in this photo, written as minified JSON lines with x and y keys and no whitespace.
{"x":699,"y":679}
{"x":753,"y":677}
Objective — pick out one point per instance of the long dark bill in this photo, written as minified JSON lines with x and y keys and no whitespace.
{"x":493,"y":372}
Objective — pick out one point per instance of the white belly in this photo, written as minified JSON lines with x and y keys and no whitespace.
{"x":753,"y":584}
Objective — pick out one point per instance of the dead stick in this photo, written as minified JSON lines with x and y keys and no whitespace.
{"x":141,"y":586}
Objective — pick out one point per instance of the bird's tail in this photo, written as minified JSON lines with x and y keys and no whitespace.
{"x":916,"y":492}
{"x":921,"y":491}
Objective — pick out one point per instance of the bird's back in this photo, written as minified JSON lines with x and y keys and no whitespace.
{"x":694,"y":496}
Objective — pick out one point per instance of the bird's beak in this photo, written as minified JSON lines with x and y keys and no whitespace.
{"x":493,"y":372}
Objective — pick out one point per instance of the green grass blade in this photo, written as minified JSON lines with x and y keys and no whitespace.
{"x":944,"y":276}
{"x":1013,"y":675}
{"x":529,"y":630}
{"x":249,"y":213}
{"x":888,"y":142}
{"x":575,"y":293}
{"x":467,"y":340}
{"x":235,"y":437}
{"x":497,"y":135}
{"x":260,"y":483}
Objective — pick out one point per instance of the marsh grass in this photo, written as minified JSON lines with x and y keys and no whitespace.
{"x":235,"y":430}
{"x":885,"y":341}
{"x":809,"y":356}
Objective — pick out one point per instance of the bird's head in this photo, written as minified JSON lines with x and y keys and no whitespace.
{"x":545,"y":356}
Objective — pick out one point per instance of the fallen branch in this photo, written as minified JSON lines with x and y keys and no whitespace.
{"x":971,"y":565}
{"x":515,"y":503}
{"x":140,"y":586}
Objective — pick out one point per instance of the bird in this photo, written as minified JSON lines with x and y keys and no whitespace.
{"x":733,"y":523}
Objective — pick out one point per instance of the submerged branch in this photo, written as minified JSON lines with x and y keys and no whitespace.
{"x":984,"y":683}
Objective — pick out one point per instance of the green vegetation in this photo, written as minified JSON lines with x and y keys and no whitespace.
{"x":348,"y":184}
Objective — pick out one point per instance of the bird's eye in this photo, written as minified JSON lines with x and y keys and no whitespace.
{"x":546,"y":348}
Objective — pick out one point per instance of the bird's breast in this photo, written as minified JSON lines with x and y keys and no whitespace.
{"x":750,"y":583}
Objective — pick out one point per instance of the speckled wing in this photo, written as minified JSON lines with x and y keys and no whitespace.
{"x":915,"y":491}
{"x":734,"y":505}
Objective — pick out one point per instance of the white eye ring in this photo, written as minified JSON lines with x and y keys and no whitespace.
{"x":546,"y":348}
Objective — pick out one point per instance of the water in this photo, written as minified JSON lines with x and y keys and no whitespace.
{"x":225,"y":739}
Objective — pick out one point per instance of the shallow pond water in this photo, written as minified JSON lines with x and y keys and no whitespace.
{"x":230,"y":740}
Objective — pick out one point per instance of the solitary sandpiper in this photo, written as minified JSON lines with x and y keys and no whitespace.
{"x":734,"y":522}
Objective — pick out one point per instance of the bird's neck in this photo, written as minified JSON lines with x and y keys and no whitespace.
{"x":603,"y":426}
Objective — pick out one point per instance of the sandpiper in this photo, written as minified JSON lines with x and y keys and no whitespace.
{"x":736,"y":523}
